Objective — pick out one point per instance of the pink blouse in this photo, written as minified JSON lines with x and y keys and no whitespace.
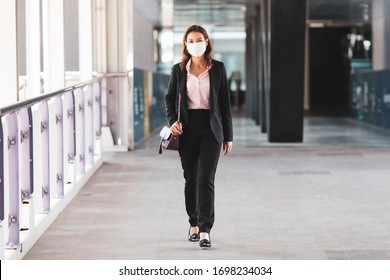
{"x":198,"y":89}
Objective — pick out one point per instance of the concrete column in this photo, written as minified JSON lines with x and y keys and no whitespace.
{"x":100,"y":59}
{"x":249,"y":110}
{"x":381,"y":34}
{"x":85,"y":40}
{"x":53,"y":44}
{"x":306,"y":99}
{"x":127,"y":65}
{"x":288,"y":23}
{"x":99,"y":36}
{"x":264,"y":65}
{"x":120,"y":60}
{"x":33,"y":48}
{"x":252,"y":73}
{"x":8,"y":53}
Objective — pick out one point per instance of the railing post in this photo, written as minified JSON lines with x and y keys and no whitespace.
{"x":12,"y":191}
{"x":41,"y":157}
{"x":69,"y":138}
{"x":112,"y":109}
{"x":46,"y":169}
{"x":25,"y":168}
{"x":56,"y":147}
{"x":88,"y":118}
{"x":97,"y":117}
{"x":80,"y":131}
{"x":2,"y":228}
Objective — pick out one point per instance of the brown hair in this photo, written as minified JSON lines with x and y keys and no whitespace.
{"x":209,"y":49}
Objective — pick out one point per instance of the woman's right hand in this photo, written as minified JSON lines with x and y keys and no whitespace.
{"x":176,"y":128}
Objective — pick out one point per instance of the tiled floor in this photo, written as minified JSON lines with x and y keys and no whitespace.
{"x":327,"y":198}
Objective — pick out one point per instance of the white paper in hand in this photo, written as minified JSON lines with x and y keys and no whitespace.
{"x":165,"y":132}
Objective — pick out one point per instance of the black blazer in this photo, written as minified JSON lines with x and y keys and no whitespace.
{"x":220,"y":109}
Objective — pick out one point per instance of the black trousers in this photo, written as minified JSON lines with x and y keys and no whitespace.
{"x":199,"y":153}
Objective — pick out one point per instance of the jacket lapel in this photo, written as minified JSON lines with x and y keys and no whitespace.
{"x":182,"y":87}
{"x":214,"y":84}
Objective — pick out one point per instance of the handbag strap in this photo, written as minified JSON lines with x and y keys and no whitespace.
{"x":178,"y":107}
{"x":160,"y":147}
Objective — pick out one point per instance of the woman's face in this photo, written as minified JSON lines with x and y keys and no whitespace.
{"x":195,"y":37}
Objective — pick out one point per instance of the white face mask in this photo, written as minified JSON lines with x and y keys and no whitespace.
{"x":196,"y":49}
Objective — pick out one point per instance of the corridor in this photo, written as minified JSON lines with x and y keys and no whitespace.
{"x":327,"y":198}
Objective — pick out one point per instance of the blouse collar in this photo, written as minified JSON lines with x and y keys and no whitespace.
{"x":189,"y":65}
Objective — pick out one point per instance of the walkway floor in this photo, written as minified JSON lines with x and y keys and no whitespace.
{"x":327,"y":198}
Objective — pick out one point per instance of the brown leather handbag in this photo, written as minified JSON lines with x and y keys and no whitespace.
{"x":168,"y":140}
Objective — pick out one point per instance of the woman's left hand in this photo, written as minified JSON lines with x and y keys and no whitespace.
{"x":227,"y":147}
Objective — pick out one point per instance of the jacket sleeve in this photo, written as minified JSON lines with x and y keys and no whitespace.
{"x":225,"y":107}
{"x":171,"y":97}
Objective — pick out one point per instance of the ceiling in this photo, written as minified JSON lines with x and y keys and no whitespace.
{"x":231,"y":13}
{"x":180,"y":13}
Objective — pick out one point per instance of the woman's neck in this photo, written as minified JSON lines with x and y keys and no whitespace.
{"x":198,"y":61}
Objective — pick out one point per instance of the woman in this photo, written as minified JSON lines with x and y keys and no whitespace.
{"x":205,"y":125}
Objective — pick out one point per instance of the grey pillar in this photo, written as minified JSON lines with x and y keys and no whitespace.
{"x":287,"y":52}
{"x":381,"y":34}
{"x":252,"y":68}
{"x":249,"y":73}
{"x":264,"y":62}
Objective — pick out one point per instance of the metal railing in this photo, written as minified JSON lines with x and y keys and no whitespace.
{"x":49,"y":145}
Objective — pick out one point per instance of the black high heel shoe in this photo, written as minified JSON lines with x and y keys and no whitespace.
{"x":205,"y":243}
{"x":193,"y":237}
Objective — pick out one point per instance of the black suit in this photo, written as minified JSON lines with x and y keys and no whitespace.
{"x":220,"y":110}
{"x":200,"y":144}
